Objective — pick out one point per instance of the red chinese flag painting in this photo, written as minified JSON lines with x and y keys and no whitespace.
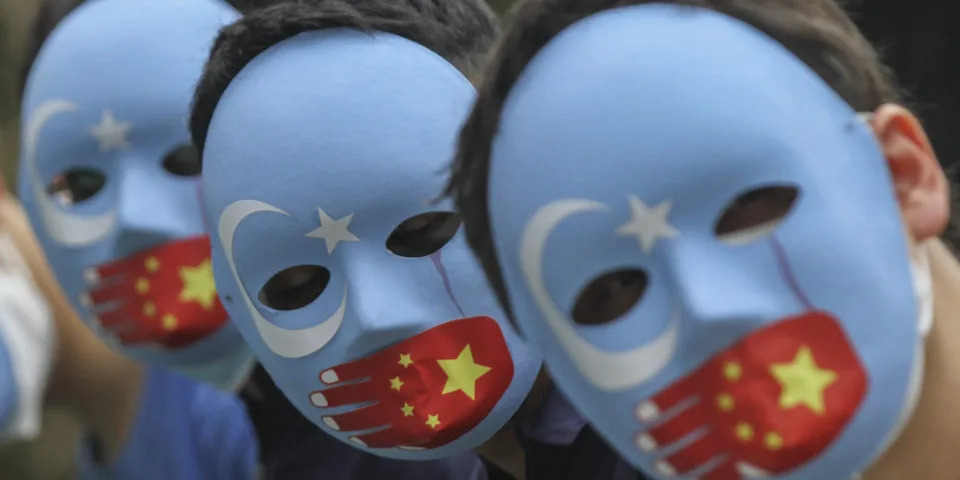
{"x":163,"y":296}
{"x":771,"y":402}
{"x":427,"y":390}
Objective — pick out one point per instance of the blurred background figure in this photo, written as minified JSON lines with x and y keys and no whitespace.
{"x":108,"y":394}
{"x":51,"y":455}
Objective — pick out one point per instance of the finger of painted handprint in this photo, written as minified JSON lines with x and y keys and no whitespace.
{"x":338,"y":396}
{"x":698,"y":453}
{"x":675,"y":395}
{"x":724,"y":471}
{"x":373,"y":416}
{"x":681,"y":425}
{"x":391,"y":438}
{"x":105,"y":293}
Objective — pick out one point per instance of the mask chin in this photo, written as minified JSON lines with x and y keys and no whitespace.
{"x":923,"y":292}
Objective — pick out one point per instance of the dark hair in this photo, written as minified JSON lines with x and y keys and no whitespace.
{"x":48,"y":16}
{"x":460,"y":31}
{"x":51,"y":12}
{"x":817,"y":31}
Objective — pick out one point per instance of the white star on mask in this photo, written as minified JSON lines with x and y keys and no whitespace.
{"x":333,"y":231}
{"x":648,"y":224}
{"x":111,"y":134}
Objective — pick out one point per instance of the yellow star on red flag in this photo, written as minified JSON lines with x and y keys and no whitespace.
{"x":198,"y":285}
{"x":462,"y":373}
{"x":802,"y":382}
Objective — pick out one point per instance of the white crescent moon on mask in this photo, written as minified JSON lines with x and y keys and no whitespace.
{"x":608,"y":371}
{"x":64,"y":228}
{"x":285,"y":343}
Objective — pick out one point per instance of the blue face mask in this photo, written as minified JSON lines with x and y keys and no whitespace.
{"x":356,"y":293}
{"x":110,"y":180}
{"x":703,"y":239}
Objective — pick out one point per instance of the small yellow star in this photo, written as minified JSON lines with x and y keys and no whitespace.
{"x":433,"y":420}
{"x":407,"y":410}
{"x":744,"y":431}
{"x":405,"y":360}
{"x":732,"y":371}
{"x":198,"y":284}
{"x":142,"y":286}
{"x":149,"y":309}
{"x":152,"y":264}
{"x":169,"y":322}
{"x":396,"y":383}
{"x":725,"y":402}
{"x":802,"y":382}
{"x":773,"y":441}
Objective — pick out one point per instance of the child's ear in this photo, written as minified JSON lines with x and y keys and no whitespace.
{"x":921,"y":186}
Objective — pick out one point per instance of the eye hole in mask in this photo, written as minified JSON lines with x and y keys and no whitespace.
{"x":423,"y":234}
{"x":183,"y":161}
{"x":609,"y":296}
{"x":76,"y":185}
{"x":295,"y":287}
{"x":755,"y":214}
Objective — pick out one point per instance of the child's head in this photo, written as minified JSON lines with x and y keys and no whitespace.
{"x":705,"y":213}
{"x":324,"y":127}
{"x":108,"y":176}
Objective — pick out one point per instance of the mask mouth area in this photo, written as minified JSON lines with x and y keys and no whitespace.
{"x":423,"y":392}
{"x":768,"y":404}
{"x":163,"y":296}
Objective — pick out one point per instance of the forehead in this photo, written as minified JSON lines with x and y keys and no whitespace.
{"x":654,"y":98}
{"x":336,"y":118}
{"x":129,"y":55}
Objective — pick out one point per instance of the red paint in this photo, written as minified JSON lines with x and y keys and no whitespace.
{"x":754,"y":399}
{"x":142,"y":299}
{"x":374,"y":378}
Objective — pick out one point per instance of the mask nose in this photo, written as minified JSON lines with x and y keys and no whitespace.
{"x":151,"y":210}
{"x":386,"y":305}
{"x":720,"y":294}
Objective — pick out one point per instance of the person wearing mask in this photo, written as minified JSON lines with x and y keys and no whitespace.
{"x":721,"y":229}
{"x":323,"y":127}
{"x":107,"y":180}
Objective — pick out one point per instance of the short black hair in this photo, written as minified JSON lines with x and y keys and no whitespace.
{"x":816,"y":31}
{"x":48,"y":17}
{"x":51,"y":12}
{"x":460,"y":31}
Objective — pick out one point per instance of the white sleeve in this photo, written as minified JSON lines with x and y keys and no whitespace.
{"x":27,"y":330}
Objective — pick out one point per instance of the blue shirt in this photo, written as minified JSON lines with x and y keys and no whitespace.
{"x":184,"y":430}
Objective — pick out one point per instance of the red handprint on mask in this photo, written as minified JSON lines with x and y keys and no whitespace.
{"x":163,"y":296}
{"x":423,"y":392}
{"x":768,"y":404}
